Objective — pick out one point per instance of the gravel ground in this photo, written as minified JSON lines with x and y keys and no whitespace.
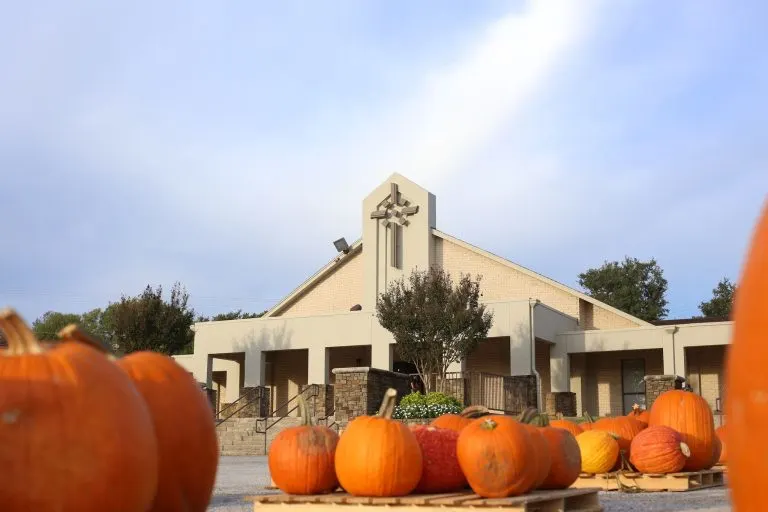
{"x":243,"y":476}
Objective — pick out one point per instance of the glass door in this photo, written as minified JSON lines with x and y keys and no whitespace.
{"x":632,"y":383}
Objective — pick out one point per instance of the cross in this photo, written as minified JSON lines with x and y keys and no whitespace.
{"x":399,"y":208}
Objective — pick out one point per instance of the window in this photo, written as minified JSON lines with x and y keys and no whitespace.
{"x":632,"y":383}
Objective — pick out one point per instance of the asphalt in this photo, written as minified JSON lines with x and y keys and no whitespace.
{"x":239,"y":477}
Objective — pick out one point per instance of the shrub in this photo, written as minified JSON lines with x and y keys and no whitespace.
{"x":415,"y":405}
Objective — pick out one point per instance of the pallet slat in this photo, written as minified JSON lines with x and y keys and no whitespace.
{"x":566,"y":500}
{"x":651,"y":482}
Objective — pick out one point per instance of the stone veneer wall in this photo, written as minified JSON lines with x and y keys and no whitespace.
{"x":359,"y":391}
{"x":563,"y":402}
{"x":321,"y":402}
{"x":658,"y":384}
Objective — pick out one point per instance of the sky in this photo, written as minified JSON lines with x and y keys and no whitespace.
{"x":225,"y":145}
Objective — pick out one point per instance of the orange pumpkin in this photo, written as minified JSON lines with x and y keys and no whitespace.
{"x":301,"y":458}
{"x":188,"y":447}
{"x":720,"y":433}
{"x":658,"y":449}
{"x":379,"y":456}
{"x":543,"y":457}
{"x":624,"y":427}
{"x":746,"y":378}
{"x":690,"y":415}
{"x":457,"y":422}
{"x":570,"y":426}
{"x":75,"y":435}
{"x":496,"y":454}
{"x":588,"y":422}
{"x":641,"y":415}
{"x":566,"y":458}
{"x":717,"y":449}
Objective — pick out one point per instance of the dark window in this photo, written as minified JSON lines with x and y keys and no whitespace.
{"x":632,"y":383}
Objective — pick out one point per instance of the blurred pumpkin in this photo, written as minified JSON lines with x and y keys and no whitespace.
{"x":570,"y":426}
{"x":720,"y":433}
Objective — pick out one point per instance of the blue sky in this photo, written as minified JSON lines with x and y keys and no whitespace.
{"x":226,"y":144}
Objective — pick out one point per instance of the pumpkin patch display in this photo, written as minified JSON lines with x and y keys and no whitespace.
{"x":599,"y":451}
{"x":440,"y":464}
{"x":75,"y":435}
{"x":570,"y":426}
{"x":690,"y":415}
{"x":658,"y":449}
{"x":378,"y":456}
{"x":181,"y":417}
{"x":457,"y":422}
{"x":302,"y":459}
{"x":565,"y":463}
{"x":496,"y":453}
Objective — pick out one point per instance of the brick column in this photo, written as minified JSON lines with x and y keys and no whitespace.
{"x":519,"y":393}
{"x":563,"y":402}
{"x":658,"y":384}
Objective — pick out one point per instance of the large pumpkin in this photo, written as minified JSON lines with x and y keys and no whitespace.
{"x":658,"y":449}
{"x":187,"y":444}
{"x":301,"y":458}
{"x":75,"y":434}
{"x":720,"y":433}
{"x":570,"y":426}
{"x":599,"y":451}
{"x":457,"y":422}
{"x":496,"y":454}
{"x":440,"y":464}
{"x":565,"y":456}
{"x":543,"y":458}
{"x":379,"y":456}
{"x":690,"y":415}
{"x":623,"y":427}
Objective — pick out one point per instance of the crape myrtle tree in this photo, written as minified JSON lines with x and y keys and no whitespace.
{"x":434,"y":323}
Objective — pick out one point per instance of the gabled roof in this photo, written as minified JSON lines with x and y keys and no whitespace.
{"x":536,"y":275}
{"x":307,"y":285}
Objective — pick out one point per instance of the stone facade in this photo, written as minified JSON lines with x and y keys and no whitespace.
{"x":319,"y":399}
{"x":359,"y":391}
{"x":658,"y":384}
{"x":253,"y":403}
{"x":561,"y":403}
{"x":519,"y":393}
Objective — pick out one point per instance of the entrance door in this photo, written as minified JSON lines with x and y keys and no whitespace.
{"x":632,"y":383}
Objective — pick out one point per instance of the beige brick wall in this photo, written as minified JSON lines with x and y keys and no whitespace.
{"x":347,"y":357}
{"x":704,"y":372}
{"x":491,"y":356}
{"x":286,"y":371}
{"x":335,"y":294}
{"x":500,"y":282}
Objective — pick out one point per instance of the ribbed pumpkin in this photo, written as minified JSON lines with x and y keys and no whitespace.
{"x":564,"y":451}
{"x":496,"y":454}
{"x":187,"y":444}
{"x":457,"y":422}
{"x":75,"y":434}
{"x":746,"y":379}
{"x":720,"y":432}
{"x":625,"y":428}
{"x":570,"y":426}
{"x":301,"y":458}
{"x":658,"y":449}
{"x":690,"y":415}
{"x":441,"y":471}
{"x":599,"y":451}
{"x":543,"y":459}
{"x":379,"y":456}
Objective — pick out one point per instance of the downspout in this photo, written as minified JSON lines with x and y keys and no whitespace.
{"x":532,"y":303}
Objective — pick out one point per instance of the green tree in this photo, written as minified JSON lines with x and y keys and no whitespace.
{"x":232,"y":315}
{"x":148,"y":322}
{"x":633,"y":286}
{"x":434,"y":323}
{"x":51,"y":322}
{"x":721,"y":302}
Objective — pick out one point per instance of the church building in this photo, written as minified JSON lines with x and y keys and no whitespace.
{"x":566,"y":340}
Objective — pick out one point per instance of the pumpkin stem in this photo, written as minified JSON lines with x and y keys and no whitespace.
{"x":21,"y":339}
{"x":685,"y":449}
{"x":388,"y":404}
{"x":306,"y":420}
{"x":73,"y":333}
{"x":475,"y":411}
{"x":528,"y":414}
{"x":488,"y":424}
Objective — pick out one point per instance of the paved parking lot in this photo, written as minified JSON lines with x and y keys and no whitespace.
{"x":242,"y":476}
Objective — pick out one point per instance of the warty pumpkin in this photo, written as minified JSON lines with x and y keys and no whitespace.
{"x":187,"y":444}
{"x":565,"y":464}
{"x":301,"y":458}
{"x":599,"y":451}
{"x":378,"y":456}
{"x":658,"y":449}
{"x":440,"y":464}
{"x":457,"y":422}
{"x":690,"y":415}
{"x":75,"y":435}
{"x":496,"y":453}
{"x":746,"y":378}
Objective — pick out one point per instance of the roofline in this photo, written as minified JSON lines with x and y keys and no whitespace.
{"x":308,"y":283}
{"x":536,"y":275}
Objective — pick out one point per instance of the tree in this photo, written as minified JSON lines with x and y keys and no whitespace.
{"x":232,"y":315}
{"x":434,"y":323}
{"x":147,"y":322}
{"x":51,"y":322}
{"x":633,"y":286}
{"x":721,"y":302}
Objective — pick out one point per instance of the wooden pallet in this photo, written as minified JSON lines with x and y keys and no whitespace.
{"x":629,"y":481}
{"x":566,"y":500}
